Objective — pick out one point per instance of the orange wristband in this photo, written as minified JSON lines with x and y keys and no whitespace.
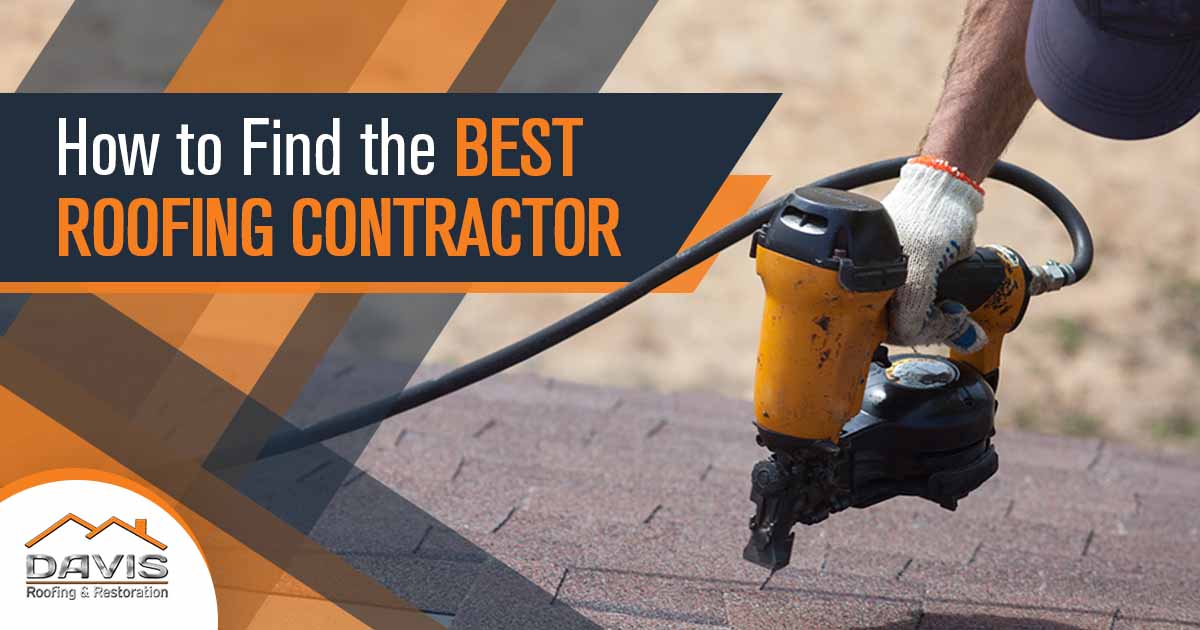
{"x":943,"y":165}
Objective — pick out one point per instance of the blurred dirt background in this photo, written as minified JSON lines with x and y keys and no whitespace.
{"x":1116,"y":356}
{"x":25,"y":25}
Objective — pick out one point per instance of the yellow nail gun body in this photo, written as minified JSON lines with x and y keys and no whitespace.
{"x":846,"y":425}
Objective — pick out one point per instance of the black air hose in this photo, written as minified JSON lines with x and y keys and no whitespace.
{"x":605,"y":306}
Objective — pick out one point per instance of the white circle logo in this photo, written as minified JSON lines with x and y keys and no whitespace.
{"x":91,"y":554}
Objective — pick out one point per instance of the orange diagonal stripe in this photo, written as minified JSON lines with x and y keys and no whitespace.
{"x":427,"y":46}
{"x":731,"y":201}
{"x":285,"y":46}
{"x":170,"y":318}
{"x":238,"y":334}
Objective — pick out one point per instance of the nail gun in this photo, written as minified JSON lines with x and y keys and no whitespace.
{"x":846,"y":424}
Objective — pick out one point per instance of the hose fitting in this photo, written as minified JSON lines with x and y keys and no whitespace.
{"x":1051,"y":276}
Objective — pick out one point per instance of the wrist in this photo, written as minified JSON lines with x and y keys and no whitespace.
{"x":962,"y":146}
{"x":945,"y":166}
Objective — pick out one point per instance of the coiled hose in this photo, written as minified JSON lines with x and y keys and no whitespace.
{"x":567,"y":327}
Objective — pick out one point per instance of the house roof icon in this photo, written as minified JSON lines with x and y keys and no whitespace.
{"x":137,"y":529}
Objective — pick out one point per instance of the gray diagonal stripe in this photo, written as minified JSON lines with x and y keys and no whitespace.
{"x":502,"y":45}
{"x":577,"y":46}
{"x":119,"y":45}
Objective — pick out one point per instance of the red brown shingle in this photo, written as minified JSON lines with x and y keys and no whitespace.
{"x":631,"y":507}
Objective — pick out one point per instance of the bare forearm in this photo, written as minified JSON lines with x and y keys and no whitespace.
{"x":987,"y":94}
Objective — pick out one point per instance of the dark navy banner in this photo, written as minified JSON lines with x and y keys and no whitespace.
{"x":360,"y":188}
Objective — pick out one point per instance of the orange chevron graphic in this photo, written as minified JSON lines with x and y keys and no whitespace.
{"x":138,"y":529}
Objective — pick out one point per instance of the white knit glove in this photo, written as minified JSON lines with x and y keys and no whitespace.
{"x":934,"y":213}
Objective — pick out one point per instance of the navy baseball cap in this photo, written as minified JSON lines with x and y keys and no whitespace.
{"x":1125,"y":69}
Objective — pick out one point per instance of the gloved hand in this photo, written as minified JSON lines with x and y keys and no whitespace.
{"x":933,"y":207}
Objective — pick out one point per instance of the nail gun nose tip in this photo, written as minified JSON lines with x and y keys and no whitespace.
{"x":771,"y":554}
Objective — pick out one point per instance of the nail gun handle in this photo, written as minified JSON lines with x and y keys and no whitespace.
{"x":973,"y":280}
{"x":993,"y":283}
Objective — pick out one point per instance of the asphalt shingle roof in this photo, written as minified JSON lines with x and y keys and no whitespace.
{"x":631,"y":507}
